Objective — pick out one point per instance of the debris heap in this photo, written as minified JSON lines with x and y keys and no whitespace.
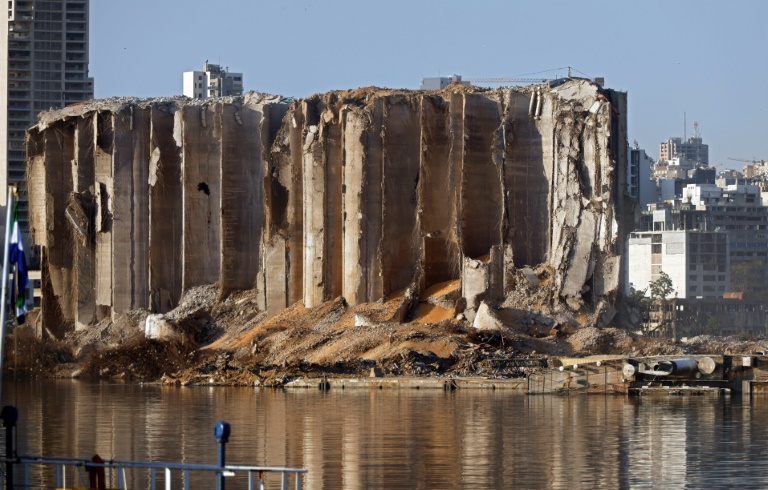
{"x":357,"y":194}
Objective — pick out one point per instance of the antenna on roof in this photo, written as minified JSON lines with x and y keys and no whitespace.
{"x":685,"y":127}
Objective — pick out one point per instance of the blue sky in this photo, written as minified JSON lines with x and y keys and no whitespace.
{"x":703,"y":58}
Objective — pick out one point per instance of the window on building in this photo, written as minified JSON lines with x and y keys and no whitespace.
{"x":656,"y":248}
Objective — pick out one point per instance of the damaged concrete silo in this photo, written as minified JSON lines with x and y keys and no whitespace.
{"x":351,"y":193}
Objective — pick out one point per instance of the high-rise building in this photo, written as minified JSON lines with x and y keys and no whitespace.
{"x":691,"y":151}
{"x":43,"y":64}
{"x":213,"y":81}
{"x":640,"y":186}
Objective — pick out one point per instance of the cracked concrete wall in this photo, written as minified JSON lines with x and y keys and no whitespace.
{"x":242,"y":213}
{"x":437,"y":182}
{"x":201,"y":194}
{"x":356,"y":193}
{"x":165,"y":210}
{"x":103,"y":185}
{"x":83,"y":202}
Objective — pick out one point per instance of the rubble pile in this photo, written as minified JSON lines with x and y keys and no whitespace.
{"x":224,"y":339}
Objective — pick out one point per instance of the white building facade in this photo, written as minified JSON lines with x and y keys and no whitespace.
{"x":213,"y":81}
{"x":697,"y":262}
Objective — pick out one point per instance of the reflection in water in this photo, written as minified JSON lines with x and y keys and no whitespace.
{"x":408,"y":439}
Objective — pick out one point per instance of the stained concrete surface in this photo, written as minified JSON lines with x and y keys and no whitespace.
{"x":361,"y":193}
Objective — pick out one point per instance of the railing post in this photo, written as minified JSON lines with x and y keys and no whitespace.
{"x":298,"y":481}
{"x":221,"y":431}
{"x":284,"y":485}
{"x":167,"y":479}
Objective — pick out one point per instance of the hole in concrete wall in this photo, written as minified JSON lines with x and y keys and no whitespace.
{"x":278,"y":203}
{"x":203,"y":187}
{"x":106,"y":216}
{"x":104,"y":135}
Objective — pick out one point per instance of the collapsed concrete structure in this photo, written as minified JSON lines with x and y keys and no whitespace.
{"x":357,"y":194}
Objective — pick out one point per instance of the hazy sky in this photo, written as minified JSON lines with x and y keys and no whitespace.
{"x":704,"y":58}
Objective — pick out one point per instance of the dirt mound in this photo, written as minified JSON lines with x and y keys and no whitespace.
{"x":140,"y":359}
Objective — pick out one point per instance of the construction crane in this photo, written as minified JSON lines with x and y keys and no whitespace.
{"x":520,"y":81}
{"x":511,"y":80}
{"x":753,"y":161}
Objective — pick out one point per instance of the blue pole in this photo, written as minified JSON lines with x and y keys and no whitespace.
{"x":221,"y":431}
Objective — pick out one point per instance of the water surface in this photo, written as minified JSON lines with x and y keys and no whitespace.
{"x":408,"y":439}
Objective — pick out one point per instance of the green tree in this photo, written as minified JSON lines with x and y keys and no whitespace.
{"x":636,"y":296}
{"x":661,"y":287}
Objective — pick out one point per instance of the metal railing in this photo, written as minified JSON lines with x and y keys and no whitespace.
{"x":97,"y":473}
{"x":76,"y":473}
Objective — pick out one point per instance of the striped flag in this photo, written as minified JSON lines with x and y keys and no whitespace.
{"x":16,"y":257}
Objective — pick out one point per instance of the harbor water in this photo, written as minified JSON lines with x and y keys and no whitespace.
{"x":427,"y":439}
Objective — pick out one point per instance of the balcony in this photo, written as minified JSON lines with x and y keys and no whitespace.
{"x":19,"y":96}
{"x":21,"y":116}
{"x":17,"y":27}
{"x":19,"y":77}
{"x":18,"y":86}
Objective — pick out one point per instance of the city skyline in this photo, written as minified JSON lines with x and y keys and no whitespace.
{"x":672,"y":58}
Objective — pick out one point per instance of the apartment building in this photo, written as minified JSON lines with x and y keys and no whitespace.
{"x":692,"y":150}
{"x":696,"y":261}
{"x":43,"y":65}
{"x":640,"y":186}
{"x":213,"y":81}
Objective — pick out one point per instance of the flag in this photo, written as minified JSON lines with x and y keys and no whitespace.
{"x":16,"y":257}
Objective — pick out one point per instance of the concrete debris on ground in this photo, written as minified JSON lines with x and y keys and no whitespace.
{"x":226,"y":339}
